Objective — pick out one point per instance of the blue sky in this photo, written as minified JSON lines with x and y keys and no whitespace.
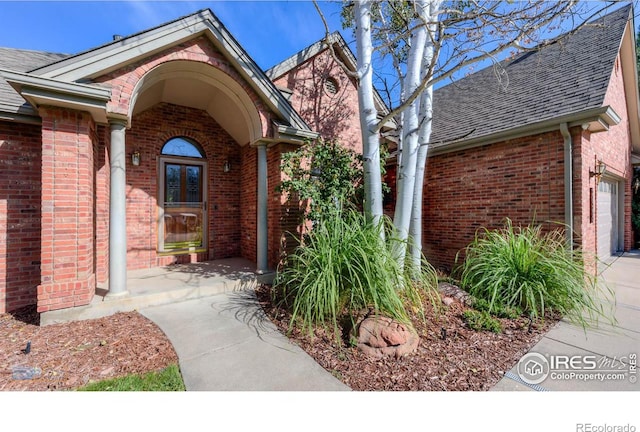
{"x":270,"y":31}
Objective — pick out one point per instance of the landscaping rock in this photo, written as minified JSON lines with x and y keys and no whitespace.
{"x":454,"y":292}
{"x":381,"y":336}
{"x":447,"y":301}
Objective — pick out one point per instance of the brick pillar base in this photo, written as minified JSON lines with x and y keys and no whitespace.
{"x":68,"y":226}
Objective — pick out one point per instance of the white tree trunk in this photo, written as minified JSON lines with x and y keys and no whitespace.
{"x":368,"y":113}
{"x":406,"y":175}
{"x":426,"y":114}
{"x":415,"y":229}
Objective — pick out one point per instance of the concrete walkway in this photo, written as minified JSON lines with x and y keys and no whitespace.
{"x":575,"y":357}
{"x":226,"y":342}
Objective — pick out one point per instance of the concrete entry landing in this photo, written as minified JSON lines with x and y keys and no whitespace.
{"x":162,"y":285}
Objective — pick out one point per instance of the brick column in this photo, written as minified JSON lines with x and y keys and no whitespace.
{"x":67,"y":246}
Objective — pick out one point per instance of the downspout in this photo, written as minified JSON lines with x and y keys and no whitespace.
{"x":568,"y":183}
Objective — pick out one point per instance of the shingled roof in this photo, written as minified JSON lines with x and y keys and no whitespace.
{"x":19,"y":60}
{"x":557,"y":80}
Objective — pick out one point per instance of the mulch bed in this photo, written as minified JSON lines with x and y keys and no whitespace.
{"x":73,"y":354}
{"x":450,"y":355}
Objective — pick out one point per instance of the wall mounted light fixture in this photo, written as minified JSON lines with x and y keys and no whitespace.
{"x":135,"y":158}
{"x":226,"y":167}
{"x":600,"y":169}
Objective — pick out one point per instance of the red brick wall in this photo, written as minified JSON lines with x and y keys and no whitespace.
{"x":281,"y":216}
{"x":248,"y":202}
{"x":465,"y":190}
{"x":67,"y":246}
{"x":292,"y":229}
{"x":334,"y":116}
{"x":102,"y":193}
{"x":149,"y":131}
{"x":20,"y":173}
{"x":274,"y":204}
{"x":284,"y":215}
{"x":614,"y":149}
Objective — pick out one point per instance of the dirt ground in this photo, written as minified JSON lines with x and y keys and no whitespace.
{"x":67,"y":356}
{"x":450,"y":356}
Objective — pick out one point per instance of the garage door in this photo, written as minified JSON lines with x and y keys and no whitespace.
{"x":607,"y":219}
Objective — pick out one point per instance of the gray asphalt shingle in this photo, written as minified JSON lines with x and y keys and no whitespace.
{"x":568,"y":76}
{"x":19,"y":60}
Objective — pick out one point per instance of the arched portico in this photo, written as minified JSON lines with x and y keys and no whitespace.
{"x":202,"y":88}
{"x":205,"y":87}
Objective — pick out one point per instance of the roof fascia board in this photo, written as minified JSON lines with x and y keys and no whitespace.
{"x":300,"y":57}
{"x":629,"y":76}
{"x":601,"y":117}
{"x":289,"y":134}
{"x":16,"y":117}
{"x":311,"y":51}
{"x":44,"y":97}
{"x":20,"y":80}
{"x":112,"y":56}
{"x":40,"y":91}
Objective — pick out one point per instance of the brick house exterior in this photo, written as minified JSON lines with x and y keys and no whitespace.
{"x":512,"y":161}
{"x":69,"y":128}
{"x":75,"y":211}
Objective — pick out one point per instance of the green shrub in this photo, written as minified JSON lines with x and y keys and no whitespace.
{"x":477,"y":320}
{"x":317,"y":173}
{"x":521,"y":267}
{"x":345,"y":267}
{"x":500,"y":311}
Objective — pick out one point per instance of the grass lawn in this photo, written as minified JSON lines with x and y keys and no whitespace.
{"x":168,"y":379}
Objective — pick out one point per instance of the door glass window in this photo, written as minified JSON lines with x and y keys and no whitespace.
{"x":182,"y":147}
{"x":182,"y":199}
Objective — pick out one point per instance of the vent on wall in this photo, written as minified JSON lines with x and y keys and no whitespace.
{"x":331,"y":86}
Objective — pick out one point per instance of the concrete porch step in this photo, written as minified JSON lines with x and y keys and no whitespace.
{"x":163,"y":285}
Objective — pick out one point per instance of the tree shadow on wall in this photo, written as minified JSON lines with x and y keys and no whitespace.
{"x":324,"y":96}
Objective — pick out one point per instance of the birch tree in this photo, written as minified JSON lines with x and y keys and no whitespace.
{"x":368,"y":112}
{"x":427,"y":42}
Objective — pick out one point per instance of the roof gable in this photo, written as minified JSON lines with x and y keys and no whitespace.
{"x":341,"y":49}
{"x":553,"y":82}
{"x":83,"y":67}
